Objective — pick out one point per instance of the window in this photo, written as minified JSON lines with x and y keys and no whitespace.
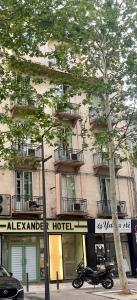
{"x":65,"y":139}
{"x":68,"y":186}
{"x":52,"y":61}
{"x":25,"y":147}
{"x":97,"y":109}
{"x":23,"y":185}
{"x":61,"y":89}
{"x":105,"y":189}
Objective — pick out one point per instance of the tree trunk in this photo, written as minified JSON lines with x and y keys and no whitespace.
{"x":116,"y":233}
{"x":113,"y":201}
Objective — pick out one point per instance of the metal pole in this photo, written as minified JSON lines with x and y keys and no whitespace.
{"x":27,"y":282}
{"x":46,"y":246}
{"x":57,"y":280}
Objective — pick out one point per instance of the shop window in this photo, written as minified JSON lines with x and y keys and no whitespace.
{"x":72,"y":245}
{"x":55,"y":249}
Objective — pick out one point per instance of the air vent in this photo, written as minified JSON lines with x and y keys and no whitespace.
{"x":33,"y":204}
{"x":74,"y":156}
{"x":118,"y":208}
{"x":31,"y":152}
{"x":76,"y":207}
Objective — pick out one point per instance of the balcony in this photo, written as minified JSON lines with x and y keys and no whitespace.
{"x":68,"y":158}
{"x":26,"y":156}
{"x":27,"y":205}
{"x":73,"y":206}
{"x":101,"y":163}
{"x":96,"y":118}
{"x":69,"y":113}
{"x":22,"y":106}
{"x":104,"y":209}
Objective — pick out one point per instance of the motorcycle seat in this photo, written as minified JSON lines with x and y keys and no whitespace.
{"x":90,"y":270}
{"x":98,"y":272}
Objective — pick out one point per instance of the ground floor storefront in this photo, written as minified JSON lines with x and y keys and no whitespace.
{"x":100,"y":243}
{"x":133,"y":247}
{"x":22,"y":248}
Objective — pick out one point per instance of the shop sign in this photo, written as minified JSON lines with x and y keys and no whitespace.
{"x":135,"y":232}
{"x":10,"y":226}
{"x":105,"y":226}
{"x":135,"y":228}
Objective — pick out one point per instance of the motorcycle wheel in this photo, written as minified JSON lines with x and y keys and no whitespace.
{"x":77,"y":283}
{"x":108,"y":283}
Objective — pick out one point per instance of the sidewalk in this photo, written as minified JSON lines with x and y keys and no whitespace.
{"x":35,"y":288}
{"x":67,"y":292}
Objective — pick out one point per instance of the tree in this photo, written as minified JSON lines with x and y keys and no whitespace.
{"x":102,"y":33}
{"x":96,"y":51}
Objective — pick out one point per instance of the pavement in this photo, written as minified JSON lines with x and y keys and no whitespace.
{"x":88,"y":292}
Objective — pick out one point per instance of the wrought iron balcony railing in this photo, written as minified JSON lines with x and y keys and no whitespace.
{"x":26,"y":203}
{"x":97,"y":117}
{"x":71,"y":109}
{"x":101,"y":159}
{"x":74,"y":205}
{"x":69,"y":154}
{"x":27,"y":150}
{"x":95,"y":112}
{"x":70,"y":112}
{"x":25,"y":101}
{"x":104,"y":208}
{"x":23,"y":105}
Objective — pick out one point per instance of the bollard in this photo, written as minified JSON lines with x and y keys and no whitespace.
{"x":27,"y":282}
{"x":57,"y":276}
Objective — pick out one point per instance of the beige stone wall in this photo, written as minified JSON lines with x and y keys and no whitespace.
{"x":87,"y":184}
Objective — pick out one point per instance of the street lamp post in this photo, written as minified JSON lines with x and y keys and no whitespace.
{"x":46,"y":242}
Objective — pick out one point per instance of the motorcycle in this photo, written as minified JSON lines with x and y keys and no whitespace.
{"x":86,"y":274}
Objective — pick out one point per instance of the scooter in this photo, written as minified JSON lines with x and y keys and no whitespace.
{"x":86,"y":274}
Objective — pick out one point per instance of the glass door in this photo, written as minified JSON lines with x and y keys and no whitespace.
{"x":64,"y":150}
{"x":68,"y":192}
{"x":105,"y":194}
{"x":23,"y":189}
{"x":72,"y":247}
{"x":71,"y":187}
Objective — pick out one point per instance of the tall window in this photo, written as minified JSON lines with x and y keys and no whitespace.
{"x":105,"y":189}
{"x":24,"y":185}
{"x":61,"y":89}
{"x":68,"y":186}
{"x":66,"y":138}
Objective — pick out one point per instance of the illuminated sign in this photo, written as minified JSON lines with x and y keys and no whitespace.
{"x":10,"y":226}
{"x":105,"y":225}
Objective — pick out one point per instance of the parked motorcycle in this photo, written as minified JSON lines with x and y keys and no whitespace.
{"x":86,"y":274}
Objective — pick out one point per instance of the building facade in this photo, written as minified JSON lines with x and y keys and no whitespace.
{"x":78,"y":202}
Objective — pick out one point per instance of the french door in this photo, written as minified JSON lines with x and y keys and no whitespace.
{"x":105,"y":195}
{"x":68,"y":192}
{"x":105,"y":189}
{"x":68,"y":186}
{"x":23,"y":189}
